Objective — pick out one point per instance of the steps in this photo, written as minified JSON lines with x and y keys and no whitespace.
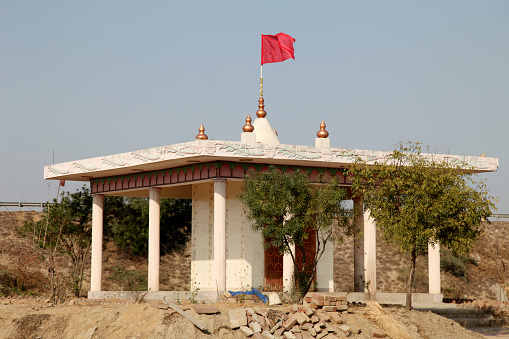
{"x":469,"y":317}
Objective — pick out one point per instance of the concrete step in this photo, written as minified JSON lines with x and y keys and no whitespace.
{"x":470,"y":317}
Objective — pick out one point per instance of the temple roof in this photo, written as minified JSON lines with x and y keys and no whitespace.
{"x":203,"y":151}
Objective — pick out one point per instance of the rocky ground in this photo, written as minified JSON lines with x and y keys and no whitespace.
{"x":30,"y":318}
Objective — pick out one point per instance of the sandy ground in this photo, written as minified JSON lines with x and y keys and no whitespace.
{"x":27,"y":318}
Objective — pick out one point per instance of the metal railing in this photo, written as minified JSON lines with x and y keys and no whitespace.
{"x":24,"y":204}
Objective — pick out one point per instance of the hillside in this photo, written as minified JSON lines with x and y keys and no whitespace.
{"x":476,"y":276}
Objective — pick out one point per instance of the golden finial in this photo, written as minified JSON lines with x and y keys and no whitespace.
{"x":275,"y":131}
{"x":202,"y":135}
{"x":483,"y":155}
{"x":322,"y":133}
{"x":261,"y":112}
{"x":248,"y":127}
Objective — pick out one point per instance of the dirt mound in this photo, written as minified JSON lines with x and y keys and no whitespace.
{"x":35,"y":319}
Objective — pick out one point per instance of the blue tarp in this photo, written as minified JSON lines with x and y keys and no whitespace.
{"x":254,"y":291}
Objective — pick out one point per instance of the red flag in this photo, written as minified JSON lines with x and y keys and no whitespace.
{"x":277,"y":48}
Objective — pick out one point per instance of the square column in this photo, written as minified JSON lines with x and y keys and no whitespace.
{"x":154,"y":238}
{"x":97,"y":242}
{"x":434,"y":268}
{"x":220,"y":234}
{"x":358,"y":246}
{"x":288,"y":270}
{"x":369,"y":253}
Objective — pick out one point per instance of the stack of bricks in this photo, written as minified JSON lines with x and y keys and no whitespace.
{"x":325,"y":302}
{"x":295,"y":322}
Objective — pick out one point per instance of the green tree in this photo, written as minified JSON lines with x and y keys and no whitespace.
{"x":285,"y":207}
{"x":415,"y":198}
{"x":127,"y":223}
{"x":66,"y":227}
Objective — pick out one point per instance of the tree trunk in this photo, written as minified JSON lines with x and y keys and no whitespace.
{"x":410,"y":281}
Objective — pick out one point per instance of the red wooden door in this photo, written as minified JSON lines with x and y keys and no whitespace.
{"x":273,"y":270}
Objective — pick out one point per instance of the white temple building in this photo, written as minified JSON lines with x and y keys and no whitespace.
{"x":226,"y":253}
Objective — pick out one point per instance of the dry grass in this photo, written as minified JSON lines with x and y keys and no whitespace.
{"x":388,"y":323}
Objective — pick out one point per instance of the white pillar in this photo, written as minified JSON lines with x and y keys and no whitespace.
{"x":97,"y":242}
{"x":154,"y":218}
{"x":434,"y":268}
{"x":288,"y":269}
{"x":358,"y":246}
{"x":369,"y":253}
{"x":220,"y":234}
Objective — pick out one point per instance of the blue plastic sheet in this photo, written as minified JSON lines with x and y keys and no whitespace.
{"x":254,"y":291}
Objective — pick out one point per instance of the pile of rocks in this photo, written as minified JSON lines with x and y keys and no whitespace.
{"x":296,"y":321}
{"x":326,"y":302}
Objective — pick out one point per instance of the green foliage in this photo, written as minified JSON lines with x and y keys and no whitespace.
{"x":415,"y":198}
{"x":127,"y":223}
{"x":66,"y":227}
{"x":284,"y":207}
{"x":456,"y":265}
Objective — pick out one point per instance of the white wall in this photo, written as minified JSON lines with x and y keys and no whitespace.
{"x":244,"y":248}
{"x":202,"y":257}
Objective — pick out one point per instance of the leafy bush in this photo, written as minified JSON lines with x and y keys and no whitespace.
{"x":127,"y":223}
{"x":456,"y":265}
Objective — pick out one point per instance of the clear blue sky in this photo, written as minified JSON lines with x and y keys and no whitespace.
{"x":92,"y":78}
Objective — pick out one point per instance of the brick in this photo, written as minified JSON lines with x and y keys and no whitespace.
{"x":312,"y":332}
{"x":306,"y":318}
{"x":306,"y":326}
{"x":323,"y":315}
{"x":306,"y":335}
{"x":307,"y":299}
{"x":329,"y":308}
{"x":341,"y":308}
{"x":295,"y":308}
{"x":255,"y":327}
{"x":268,"y":335}
{"x":345,"y":329}
{"x":317,"y":328}
{"x":237,"y":317}
{"x":289,"y":335}
{"x":298,"y":335}
{"x":335,"y":317}
{"x":300,"y":318}
{"x":315,"y":319}
{"x":313,"y":305}
{"x":246,"y":330}
{"x":355,"y":330}
{"x":295,"y":329}
{"x":289,"y":323}
{"x":321,"y":335}
{"x":309,"y":312}
{"x":377,"y":334}
{"x":332,"y":303}
{"x":317,"y":302}
{"x":279,"y":332}
{"x":275,"y":327}
{"x":258,"y":335}
{"x":341,"y":298}
{"x":330,"y":298}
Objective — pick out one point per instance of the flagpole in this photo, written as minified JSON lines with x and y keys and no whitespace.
{"x":261,"y":81}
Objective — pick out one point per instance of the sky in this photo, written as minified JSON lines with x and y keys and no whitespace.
{"x":82,"y":79}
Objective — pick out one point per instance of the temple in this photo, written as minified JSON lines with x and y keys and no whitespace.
{"x":226,"y":253}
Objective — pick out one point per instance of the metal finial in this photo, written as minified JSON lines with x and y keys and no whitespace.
{"x":261,"y":111}
{"x":322,"y":133}
{"x":201,"y":135}
{"x":248,"y":127}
